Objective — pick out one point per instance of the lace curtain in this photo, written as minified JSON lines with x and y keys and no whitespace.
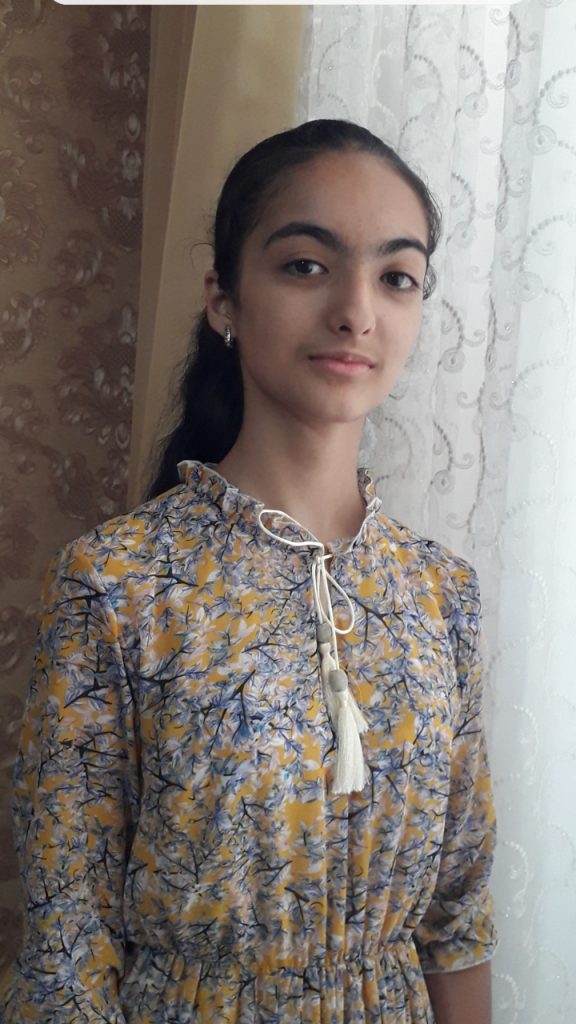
{"x":476,"y":446}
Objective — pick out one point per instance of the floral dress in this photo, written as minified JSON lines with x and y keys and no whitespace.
{"x":184,"y":856}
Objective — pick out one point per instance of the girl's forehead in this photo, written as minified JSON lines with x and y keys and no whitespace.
{"x":349,"y":191}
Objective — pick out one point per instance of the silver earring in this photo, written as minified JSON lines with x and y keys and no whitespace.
{"x":228,"y":336}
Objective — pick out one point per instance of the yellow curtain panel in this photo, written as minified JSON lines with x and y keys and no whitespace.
{"x":222,"y":77}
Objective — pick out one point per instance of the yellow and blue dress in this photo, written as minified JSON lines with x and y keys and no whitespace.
{"x":185,"y":857}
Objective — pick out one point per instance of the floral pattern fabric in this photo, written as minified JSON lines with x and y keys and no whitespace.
{"x":183,"y":856}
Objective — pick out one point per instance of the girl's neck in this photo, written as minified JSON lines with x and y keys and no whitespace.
{"x":320,"y":493}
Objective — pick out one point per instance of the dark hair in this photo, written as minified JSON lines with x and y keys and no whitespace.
{"x":211,"y":389}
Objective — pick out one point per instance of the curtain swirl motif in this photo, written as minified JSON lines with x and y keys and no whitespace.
{"x":476,"y":445}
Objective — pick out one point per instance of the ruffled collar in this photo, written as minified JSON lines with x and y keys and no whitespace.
{"x":207,"y":482}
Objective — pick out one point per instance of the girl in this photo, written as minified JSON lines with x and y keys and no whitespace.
{"x":252,"y":784}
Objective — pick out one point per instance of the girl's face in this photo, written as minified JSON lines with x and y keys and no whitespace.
{"x":334,"y":267}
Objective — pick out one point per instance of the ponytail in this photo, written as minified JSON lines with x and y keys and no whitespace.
{"x":211,"y":401}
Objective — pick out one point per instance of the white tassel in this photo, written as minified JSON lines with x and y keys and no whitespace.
{"x":347,"y":720}
{"x":361,"y":723}
{"x":350,"y":768}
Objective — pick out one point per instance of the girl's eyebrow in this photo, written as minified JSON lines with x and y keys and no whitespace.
{"x":333,"y":241}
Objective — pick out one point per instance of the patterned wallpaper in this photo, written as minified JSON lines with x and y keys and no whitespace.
{"x":72,"y":116}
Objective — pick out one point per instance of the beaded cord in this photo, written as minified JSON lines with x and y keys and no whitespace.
{"x":347,"y":720}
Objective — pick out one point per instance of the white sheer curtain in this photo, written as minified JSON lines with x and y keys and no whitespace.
{"x":477,"y":447}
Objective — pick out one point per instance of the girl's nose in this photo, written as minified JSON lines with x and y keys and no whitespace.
{"x":352,"y":308}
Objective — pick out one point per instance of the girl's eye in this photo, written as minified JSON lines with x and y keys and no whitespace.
{"x":304,"y":268}
{"x":400,"y":282}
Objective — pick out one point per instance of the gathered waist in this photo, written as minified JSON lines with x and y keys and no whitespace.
{"x":385,"y":983}
{"x":260,"y":961}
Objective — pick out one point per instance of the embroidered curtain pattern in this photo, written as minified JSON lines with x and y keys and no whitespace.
{"x":475,"y":447}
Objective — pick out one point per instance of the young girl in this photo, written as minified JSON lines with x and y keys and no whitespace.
{"x":252,"y":784}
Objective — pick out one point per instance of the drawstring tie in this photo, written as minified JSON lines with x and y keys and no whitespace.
{"x":347,"y":720}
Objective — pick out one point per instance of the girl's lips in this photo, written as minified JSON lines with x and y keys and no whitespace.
{"x":340,"y":367}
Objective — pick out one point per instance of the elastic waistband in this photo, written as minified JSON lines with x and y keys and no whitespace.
{"x":180,"y":963}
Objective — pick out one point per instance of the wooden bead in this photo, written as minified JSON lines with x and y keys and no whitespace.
{"x":324,"y":633}
{"x":338,"y":681}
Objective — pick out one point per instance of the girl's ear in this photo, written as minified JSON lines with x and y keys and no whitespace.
{"x":218,"y":304}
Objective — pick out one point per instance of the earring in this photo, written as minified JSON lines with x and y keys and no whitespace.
{"x":228,"y":336}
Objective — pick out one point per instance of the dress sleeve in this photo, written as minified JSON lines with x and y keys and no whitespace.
{"x":76,"y":797}
{"x":457,"y":929}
